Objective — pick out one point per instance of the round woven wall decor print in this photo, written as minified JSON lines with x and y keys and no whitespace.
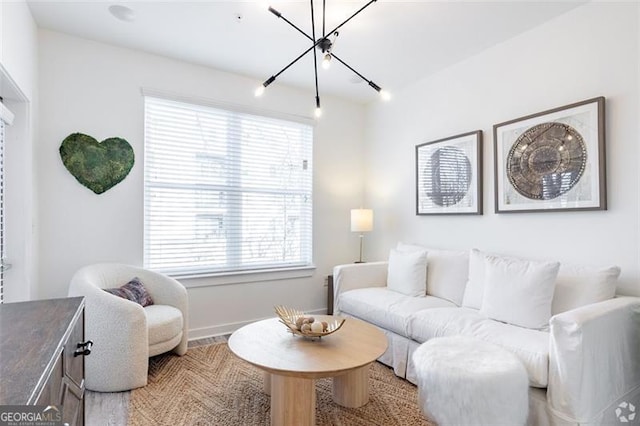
{"x":447,"y":176}
{"x":546,"y":161}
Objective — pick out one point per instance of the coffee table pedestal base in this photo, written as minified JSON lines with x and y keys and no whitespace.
{"x":352,"y":389}
{"x":266,"y":382}
{"x":293,"y":401}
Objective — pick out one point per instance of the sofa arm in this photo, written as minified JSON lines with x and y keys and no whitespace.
{"x":165,"y":290}
{"x":357,"y":275}
{"x":594,"y":358}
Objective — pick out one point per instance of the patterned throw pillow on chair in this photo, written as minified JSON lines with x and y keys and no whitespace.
{"x":134,"y":291}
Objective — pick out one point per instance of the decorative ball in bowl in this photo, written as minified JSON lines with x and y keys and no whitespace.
{"x":306,"y":325}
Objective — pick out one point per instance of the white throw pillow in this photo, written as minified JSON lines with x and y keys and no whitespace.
{"x":447,"y":272}
{"x":582,"y":285}
{"x":475,"y":284}
{"x":407,"y":272}
{"x":518,"y":291}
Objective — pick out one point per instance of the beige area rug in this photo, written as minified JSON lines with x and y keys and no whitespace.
{"x":211,"y":386}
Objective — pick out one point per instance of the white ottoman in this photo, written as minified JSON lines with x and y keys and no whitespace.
{"x":466,"y":381}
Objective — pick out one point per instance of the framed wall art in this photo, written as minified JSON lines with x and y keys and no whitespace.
{"x":551,"y":161}
{"x":449,"y":175}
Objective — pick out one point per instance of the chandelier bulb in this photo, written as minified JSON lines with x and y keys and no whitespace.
{"x":259,"y":91}
{"x":326,"y":61}
{"x":385,"y":95}
{"x":318,"y":112}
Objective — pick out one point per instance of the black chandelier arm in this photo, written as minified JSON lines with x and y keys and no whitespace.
{"x":273,"y":77}
{"x":370,"y":82}
{"x":315,"y":59}
{"x":324,"y":8}
{"x":293,"y":62}
{"x":352,"y":16}
{"x":279,"y":15}
{"x":297,"y":59}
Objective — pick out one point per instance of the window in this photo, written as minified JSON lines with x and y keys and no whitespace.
{"x":225,"y":191}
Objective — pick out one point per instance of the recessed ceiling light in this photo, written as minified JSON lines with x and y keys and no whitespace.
{"x":122,"y":13}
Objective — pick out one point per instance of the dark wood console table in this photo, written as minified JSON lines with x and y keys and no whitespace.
{"x":42,"y":350}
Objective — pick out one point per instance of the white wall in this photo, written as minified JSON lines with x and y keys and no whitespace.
{"x":18,"y":49}
{"x":96,"y":89}
{"x":18,"y":87}
{"x":590,"y":51}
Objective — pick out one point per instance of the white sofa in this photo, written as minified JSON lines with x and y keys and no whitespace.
{"x":584,"y":367}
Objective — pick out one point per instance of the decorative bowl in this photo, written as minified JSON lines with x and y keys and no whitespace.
{"x":289,"y":317}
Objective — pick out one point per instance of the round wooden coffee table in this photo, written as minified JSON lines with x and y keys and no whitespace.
{"x":292,"y":363}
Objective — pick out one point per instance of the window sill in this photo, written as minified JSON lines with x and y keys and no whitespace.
{"x":243,"y":277}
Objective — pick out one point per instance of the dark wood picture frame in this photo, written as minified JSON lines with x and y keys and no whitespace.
{"x":449,"y":175}
{"x":552,"y":161}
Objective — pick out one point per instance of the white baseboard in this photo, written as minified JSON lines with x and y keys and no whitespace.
{"x":222,"y":329}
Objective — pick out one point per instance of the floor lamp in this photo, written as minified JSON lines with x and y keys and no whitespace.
{"x":361,"y":221}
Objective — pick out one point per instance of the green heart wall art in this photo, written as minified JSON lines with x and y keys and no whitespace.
{"x":97,"y":165}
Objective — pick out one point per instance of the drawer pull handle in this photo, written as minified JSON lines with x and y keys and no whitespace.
{"x":84,"y":348}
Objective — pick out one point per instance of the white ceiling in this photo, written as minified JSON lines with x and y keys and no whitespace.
{"x":393,"y":43}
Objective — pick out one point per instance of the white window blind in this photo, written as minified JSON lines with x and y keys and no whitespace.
{"x":225,"y":191}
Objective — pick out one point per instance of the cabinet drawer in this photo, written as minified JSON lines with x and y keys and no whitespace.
{"x":74,"y":365}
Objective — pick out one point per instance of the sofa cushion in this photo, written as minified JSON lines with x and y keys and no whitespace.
{"x":530,"y":346}
{"x":582,"y":285}
{"x":474,"y":289}
{"x":442,"y":322}
{"x":407,"y":273}
{"x":447,"y":272}
{"x":386,"y":308}
{"x":164,"y":322}
{"x":518,"y":291}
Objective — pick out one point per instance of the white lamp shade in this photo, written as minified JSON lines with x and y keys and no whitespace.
{"x":361,"y":220}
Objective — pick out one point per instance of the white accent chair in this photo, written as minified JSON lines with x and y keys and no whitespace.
{"x":125,"y":334}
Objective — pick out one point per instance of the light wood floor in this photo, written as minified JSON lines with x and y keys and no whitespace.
{"x":112,"y":408}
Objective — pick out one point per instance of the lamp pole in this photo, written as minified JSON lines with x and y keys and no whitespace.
{"x":361,"y":222}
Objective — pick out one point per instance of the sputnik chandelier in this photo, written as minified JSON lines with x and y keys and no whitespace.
{"x":325,"y":44}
